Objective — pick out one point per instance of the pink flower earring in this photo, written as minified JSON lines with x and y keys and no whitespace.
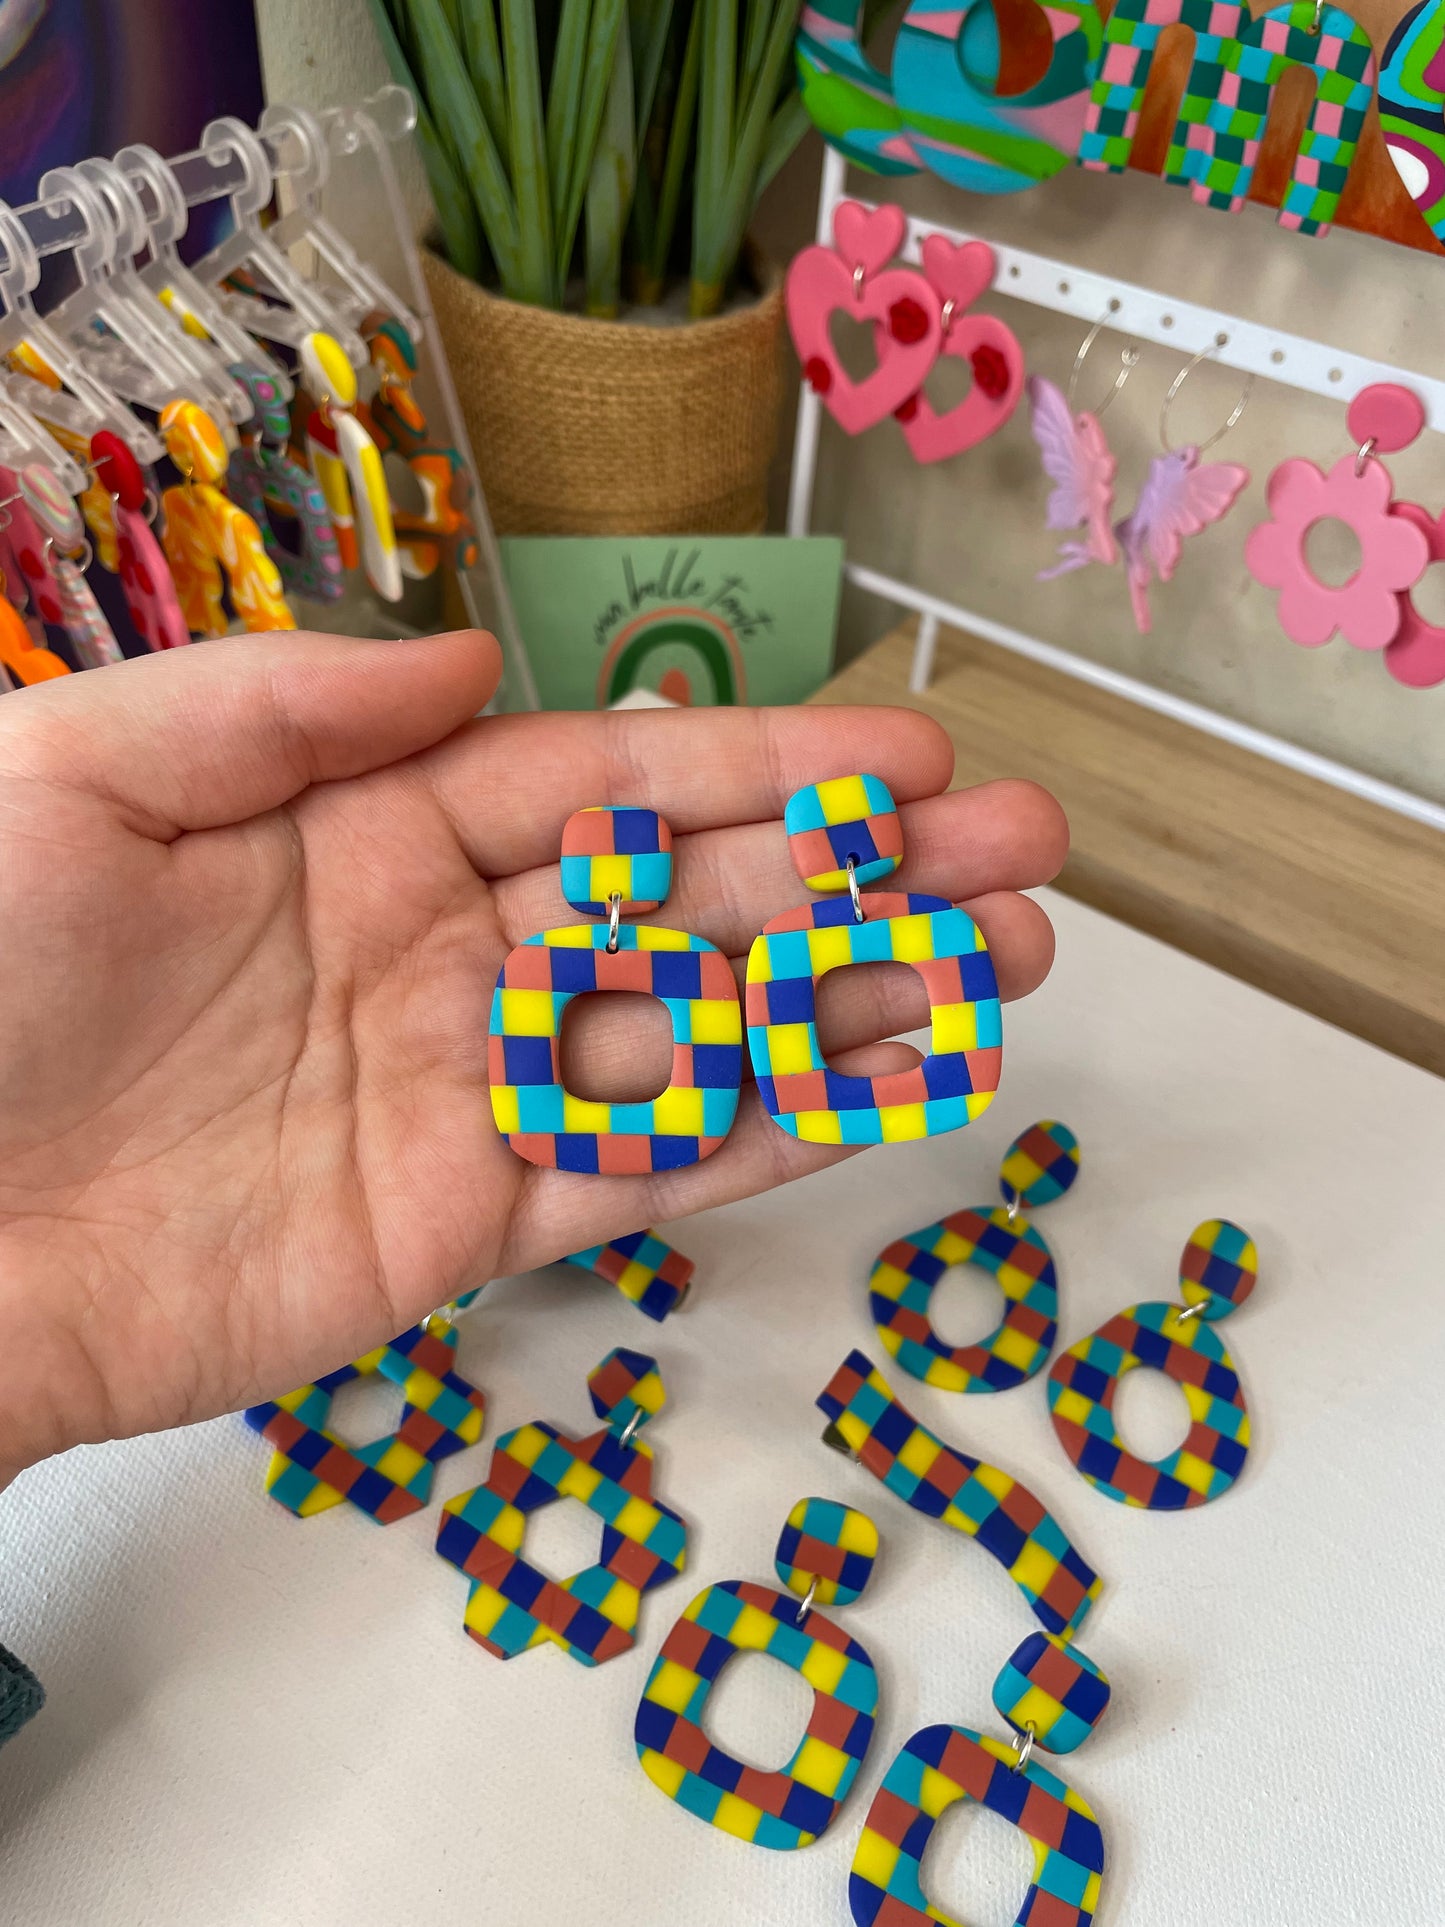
{"x":851,"y":278}
{"x":1180,"y":496}
{"x":959,"y":275}
{"x":1371,"y":609}
{"x":1078,"y":461}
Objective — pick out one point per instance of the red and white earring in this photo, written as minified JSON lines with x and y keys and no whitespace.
{"x":852,"y":278}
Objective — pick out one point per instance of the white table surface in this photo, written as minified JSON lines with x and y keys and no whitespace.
{"x":257,"y":1722}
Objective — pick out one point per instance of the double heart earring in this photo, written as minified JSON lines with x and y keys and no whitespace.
{"x":915,"y":318}
{"x":1397,"y":542}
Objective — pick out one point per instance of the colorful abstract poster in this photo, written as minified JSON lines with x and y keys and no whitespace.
{"x":697,"y":619}
{"x":82,"y":77}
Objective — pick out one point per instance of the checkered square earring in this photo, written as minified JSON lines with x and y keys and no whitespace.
{"x":1038,"y":1167}
{"x":826,"y":1552}
{"x":615,"y":863}
{"x":842,"y":834}
{"x":1216,"y":1274}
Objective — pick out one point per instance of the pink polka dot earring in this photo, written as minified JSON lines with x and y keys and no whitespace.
{"x":1370,"y":609}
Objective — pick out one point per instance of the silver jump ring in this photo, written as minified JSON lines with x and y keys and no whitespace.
{"x":625,"y":1436}
{"x":858,"y":280}
{"x":1023,"y":1748}
{"x":1183,"y":1316}
{"x":614,"y":921}
{"x":1128,"y":361}
{"x":808,"y":1597}
{"x":1363,"y":454}
{"x":1178,"y":382}
{"x":945,"y":320}
{"x":859,"y":914}
{"x":1015,"y":1205}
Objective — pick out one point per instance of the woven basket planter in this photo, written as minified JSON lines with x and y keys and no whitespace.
{"x":583,"y":427}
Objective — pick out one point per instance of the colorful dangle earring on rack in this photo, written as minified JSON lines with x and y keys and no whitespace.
{"x":48,"y":545}
{"x":1369,"y":609}
{"x":145,"y":575}
{"x":842,"y":834}
{"x":1078,"y":460}
{"x":1216,"y":1274}
{"x":443,"y":535}
{"x":205,"y":533}
{"x":512,"y":1606}
{"x":24,"y":660}
{"x":958,"y":276}
{"x":1053,"y":1697}
{"x":851,"y":278}
{"x":826,"y":1552}
{"x":313,"y":1469}
{"x":615,"y":863}
{"x":347,"y":464}
{"x":1038,"y":1167}
{"x":1180,"y":496}
{"x":275,"y":490}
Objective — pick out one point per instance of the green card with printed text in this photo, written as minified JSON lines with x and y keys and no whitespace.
{"x":700,"y":619}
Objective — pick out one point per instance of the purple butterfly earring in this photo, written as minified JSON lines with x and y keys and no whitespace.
{"x":1180,"y":496}
{"x":1078,"y":460}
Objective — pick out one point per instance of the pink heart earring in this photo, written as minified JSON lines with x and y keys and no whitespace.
{"x":959,"y":275}
{"x":851,"y":278}
{"x":1180,"y":496}
{"x":1416,"y":657}
{"x":1370,"y":609}
{"x":1078,"y":460}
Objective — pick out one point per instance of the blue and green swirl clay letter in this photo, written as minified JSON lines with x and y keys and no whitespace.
{"x":945,"y":76}
{"x":1412,"y":108}
{"x":847,"y":98}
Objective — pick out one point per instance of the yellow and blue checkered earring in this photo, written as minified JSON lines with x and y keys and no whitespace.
{"x":615,"y":863}
{"x":826,"y":1552}
{"x":1038,"y":1167}
{"x":842,"y":834}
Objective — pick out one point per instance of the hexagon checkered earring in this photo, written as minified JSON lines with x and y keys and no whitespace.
{"x":615,"y":863}
{"x":827,"y":1552}
{"x":842,"y":834}
{"x":1038,"y":1167}
{"x":592,"y":1616}
{"x":1216,"y":1274}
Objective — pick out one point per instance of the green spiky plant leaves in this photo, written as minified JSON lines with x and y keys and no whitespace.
{"x":624,"y":137}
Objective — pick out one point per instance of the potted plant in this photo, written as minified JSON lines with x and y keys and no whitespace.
{"x":595,"y":164}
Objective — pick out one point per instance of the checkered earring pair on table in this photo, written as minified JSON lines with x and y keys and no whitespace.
{"x":1217,"y":1272}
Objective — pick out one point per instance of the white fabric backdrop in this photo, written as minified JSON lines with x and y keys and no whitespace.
{"x":257,"y":1722}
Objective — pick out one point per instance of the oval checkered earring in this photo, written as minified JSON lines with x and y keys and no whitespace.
{"x":1038,"y":1167}
{"x":1216,"y":1274}
{"x":615,"y":863}
{"x":826,"y":1552}
{"x":842,"y":834}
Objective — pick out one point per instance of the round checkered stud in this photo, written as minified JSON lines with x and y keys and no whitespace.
{"x":851,"y":817}
{"x":622,"y":853}
{"x":626,"y":1390}
{"x":826,"y":1551}
{"x":1219,"y":1268}
{"x":1053,"y":1691}
{"x":1040,"y":1165}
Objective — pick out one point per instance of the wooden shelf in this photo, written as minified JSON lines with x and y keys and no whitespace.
{"x":1330,"y":903}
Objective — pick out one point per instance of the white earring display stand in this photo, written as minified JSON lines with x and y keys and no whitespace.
{"x":1148,"y":316}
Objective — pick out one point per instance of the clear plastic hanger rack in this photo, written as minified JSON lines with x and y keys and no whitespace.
{"x":1147,"y":315}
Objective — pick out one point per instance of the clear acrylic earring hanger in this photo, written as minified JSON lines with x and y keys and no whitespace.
{"x":114,"y":336}
{"x":304,"y":307}
{"x":163,"y":206}
{"x":25,"y":442}
{"x":127,"y":222}
{"x":303,"y":163}
{"x":83,"y":404}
